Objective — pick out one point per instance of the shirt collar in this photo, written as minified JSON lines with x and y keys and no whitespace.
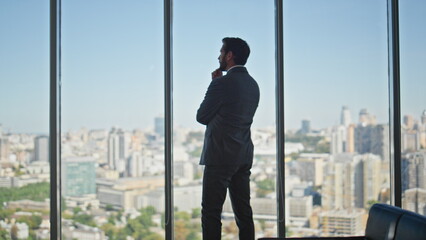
{"x":234,"y":67}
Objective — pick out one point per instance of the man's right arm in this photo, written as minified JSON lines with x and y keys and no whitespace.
{"x":211,"y":103}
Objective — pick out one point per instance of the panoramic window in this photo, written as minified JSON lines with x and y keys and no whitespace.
{"x":112,"y":124}
{"x":336,"y":95}
{"x":24,"y":120}
{"x":198,"y":30}
{"x":413,"y":108}
{"x":336,"y":115}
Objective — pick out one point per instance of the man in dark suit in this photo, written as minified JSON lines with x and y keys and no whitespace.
{"x":227,"y":110}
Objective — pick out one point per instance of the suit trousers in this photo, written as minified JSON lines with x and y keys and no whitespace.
{"x":216,"y":181}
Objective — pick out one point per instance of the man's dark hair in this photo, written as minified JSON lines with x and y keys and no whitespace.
{"x":238,"y":47}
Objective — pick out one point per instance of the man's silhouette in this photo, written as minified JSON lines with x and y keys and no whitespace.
{"x":227,"y":110}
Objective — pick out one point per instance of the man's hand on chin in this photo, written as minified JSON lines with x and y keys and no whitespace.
{"x":216,"y":73}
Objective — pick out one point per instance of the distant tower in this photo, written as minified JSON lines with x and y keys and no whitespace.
{"x":41,"y":148}
{"x":372,"y":139}
{"x":345,"y":117}
{"x":78,"y":176}
{"x":306,"y":126}
{"x":117,"y":148}
{"x":414,"y":171}
{"x":338,"y":140}
{"x":409,"y":121}
{"x":159,"y":125}
{"x":423,"y":118}
{"x":4,"y":149}
{"x":365,"y":118}
{"x":135,"y":165}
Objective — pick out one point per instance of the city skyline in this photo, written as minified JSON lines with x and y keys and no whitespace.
{"x":113,"y":75}
{"x":154,"y":127}
{"x":329,"y":174}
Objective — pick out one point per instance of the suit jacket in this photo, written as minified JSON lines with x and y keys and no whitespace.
{"x":227,"y":110}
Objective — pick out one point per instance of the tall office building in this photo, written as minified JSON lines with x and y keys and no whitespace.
{"x":423,"y":117}
{"x":135,"y":165}
{"x":159,"y":125}
{"x":4,"y":148}
{"x":78,"y":176}
{"x":306,"y":126}
{"x":350,"y":141}
{"x":300,"y":204}
{"x":338,"y":139}
{"x":365,"y":118}
{"x":421,"y":129}
{"x":410,"y":140}
{"x":310,"y":169}
{"x":414,"y":170}
{"x":368,"y":179}
{"x":41,"y":148}
{"x":415,"y":200}
{"x":373,"y":139}
{"x":338,"y":185}
{"x":350,"y":181}
{"x":117,"y":149}
{"x":408,"y":121}
{"x":345,"y":116}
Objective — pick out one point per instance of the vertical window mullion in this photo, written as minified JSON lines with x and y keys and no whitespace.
{"x":394,"y":102}
{"x":279,"y":98}
{"x":55,"y":120}
{"x":168,"y":109}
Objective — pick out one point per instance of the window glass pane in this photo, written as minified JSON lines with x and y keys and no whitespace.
{"x":112,"y":135}
{"x":413,"y":108}
{"x":199,"y":27}
{"x":24,"y":120}
{"x":336,"y":115}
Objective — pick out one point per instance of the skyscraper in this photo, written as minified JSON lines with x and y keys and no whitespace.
{"x":409,"y":121}
{"x":350,"y":142}
{"x":368,"y":179}
{"x":365,"y":118}
{"x":338,"y":184}
{"x":373,"y":139}
{"x":423,"y":118}
{"x":351,"y":181}
{"x":410,"y":140}
{"x":415,"y":200}
{"x":422,"y":130}
{"x":414,"y":170}
{"x":4,"y":149}
{"x":41,"y":148}
{"x":159,"y":125}
{"x":78,"y":176}
{"x":117,"y":149}
{"x":338,"y":139}
{"x":310,"y":168}
{"x":135,"y":165}
{"x":345,"y":116}
{"x":306,"y":126}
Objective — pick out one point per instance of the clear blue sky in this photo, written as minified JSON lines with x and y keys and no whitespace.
{"x":112,"y":59}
